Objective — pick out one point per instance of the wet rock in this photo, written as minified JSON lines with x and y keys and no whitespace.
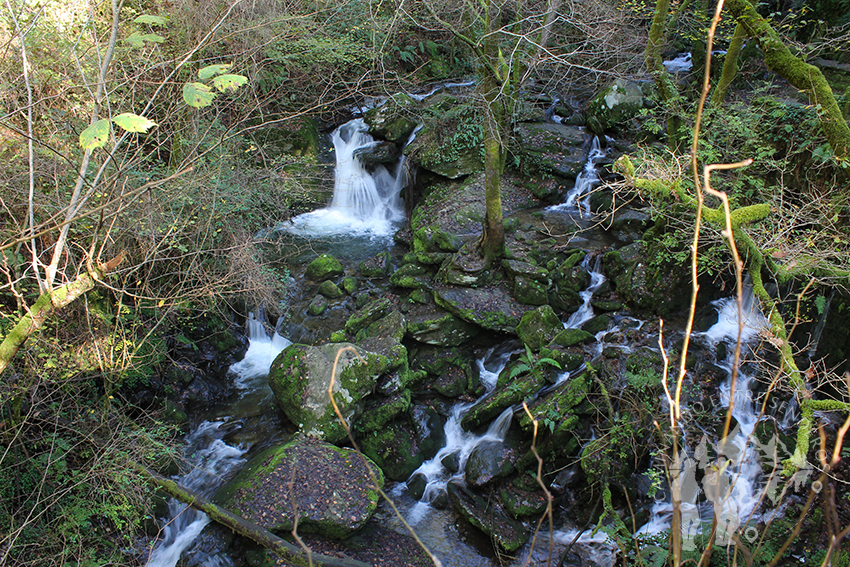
{"x":538,"y":327}
{"x":412,"y":276}
{"x":324,"y":267}
{"x":491,"y":307}
{"x":430,"y":430}
{"x":416,"y":485}
{"x":630,"y":223}
{"x":377,"y":153}
{"x":530,"y":292}
{"x":451,"y":462}
{"x":349,"y":284}
{"x":509,"y":534}
{"x":395,"y":120}
{"x":377,"y":412}
{"x":552,"y":148}
{"x":516,"y":268}
{"x":571,"y":337}
{"x":520,"y":503}
{"x":329,"y":488}
{"x":445,"y":145}
{"x":393,"y":325}
{"x":451,"y":370}
{"x":330,"y":290}
{"x":614,"y":106}
{"x":646,"y":277}
{"x":569,"y":358}
{"x":488,"y":461}
{"x":609,"y":306}
{"x":376,"y":267}
{"x":431,"y":325}
{"x":317,"y":306}
{"x":300,"y":377}
{"x":597,"y":324}
{"x":494,"y":403}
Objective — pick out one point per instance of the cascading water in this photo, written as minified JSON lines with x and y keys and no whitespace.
{"x":578,"y":198}
{"x":364,"y":202}
{"x":730,"y":468}
{"x":585,"y":311}
{"x":211,"y":461}
{"x":459,"y":442}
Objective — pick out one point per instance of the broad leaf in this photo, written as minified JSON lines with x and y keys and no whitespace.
{"x":138,"y":39}
{"x":212,"y":70}
{"x":152,"y":20}
{"x":229,"y":82}
{"x":133,"y":122}
{"x":95,"y":136}
{"x":198,"y":95}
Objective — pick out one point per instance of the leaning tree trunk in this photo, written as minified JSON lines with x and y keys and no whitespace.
{"x":654,"y":63}
{"x":805,"y":77}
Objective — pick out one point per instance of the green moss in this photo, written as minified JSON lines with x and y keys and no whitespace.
{"x":323,"y":268}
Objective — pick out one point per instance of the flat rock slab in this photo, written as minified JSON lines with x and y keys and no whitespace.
{"x":492,"y":308}
{"x":508,"y":533}
{"x":329,"y":488}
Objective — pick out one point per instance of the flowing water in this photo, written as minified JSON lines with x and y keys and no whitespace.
{"x":585,"y":311}
{"x":365,"y":203}
{"x":578,"y":198}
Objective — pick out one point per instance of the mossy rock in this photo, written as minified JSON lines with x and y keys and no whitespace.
{"x":376,"y":267}
{"x":515,"y":268}
{"x":530,"y":292}
{"x":552,"y":148}
{"x":395,"y":447}
{"x":368,"y":314}
{"x":597,"y":324}
{"x":412,"y":276}
{"x":648,"y":278}
{"x":317,"y":306}
{"x":329,"y":489}
{"x":509,"y":534}
{"x":614,"y":106}
{"x":330,"y":290}
{"x":490,"y":307}
{"x":301,"y":375}
{"x":395,"y":120}
{"x":349,"y":284}
{"x":428,"y":324}
{"x":494,"y":403}
{"x":538,"y":327}
{"x":392,"y":325}
{"x":380,"y":411}
{"x":324,"y":267}
{"x":572,"y":337}
{"x":558,"y":405}
{"x":519,"y":503}
{"x":451,"y":371}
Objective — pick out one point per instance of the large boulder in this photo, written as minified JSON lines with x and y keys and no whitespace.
{"x":430,"y":325}
{"x":324,"y":267}
{"x":329,"y":489}
{"x":449,"y":143}
{"x":301,"y":375}
{"x":614,"y":106}
{"x":400,"y":446}
{"x":552,"y":148}
{"x":395,"y":120}
{"x":649,"y":278}
{"x":539,"y":326}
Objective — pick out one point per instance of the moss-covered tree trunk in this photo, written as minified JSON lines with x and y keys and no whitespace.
{"x":805,"y":77}
{"x":47,"y":303}
{"x":654,"y":63}
{"x":492,"y":243}
{"x":730,"y":66}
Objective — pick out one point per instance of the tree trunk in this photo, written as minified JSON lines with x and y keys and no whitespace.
{"x":492,"y":243}
{"x":243,"y":527}
{"x":730,"y":66}
{"x":654,"y":64}
{"x":805,"y":77}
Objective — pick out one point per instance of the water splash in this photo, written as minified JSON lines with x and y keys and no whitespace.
{"x":578,"y":198}
{"x":262,"y":350}
{"x":597,"y":278}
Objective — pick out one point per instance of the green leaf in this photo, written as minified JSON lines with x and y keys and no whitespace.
{"x":198,"y":95}
{"x":820,"y":304}
{"x":152,"y":20}
{"x":138,"y":39}
{"x":229,"y":82}
{"x":95,"y":136}
{"x":133,"y":122}
{"x":211,"y":71}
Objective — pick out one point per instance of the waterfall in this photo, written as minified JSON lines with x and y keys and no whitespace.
{"x":364,"y":203}
{"x":578,"y":198}
{"x":211,"y":461}
{"x":460,"y":442}
{"x":262,"y":350}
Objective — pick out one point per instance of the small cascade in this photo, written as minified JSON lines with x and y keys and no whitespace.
{"x":729,"y":468}
{"x":364,"y":202}
{"x":460,"y":443}
{"x":679,"y":64}
{"x":262,"y":350}
{"x":578,"y":198}
{"x":211,"y":460}
{"x":597,"y":278}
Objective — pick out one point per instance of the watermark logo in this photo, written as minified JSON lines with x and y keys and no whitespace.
{"x":728,"y":480}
